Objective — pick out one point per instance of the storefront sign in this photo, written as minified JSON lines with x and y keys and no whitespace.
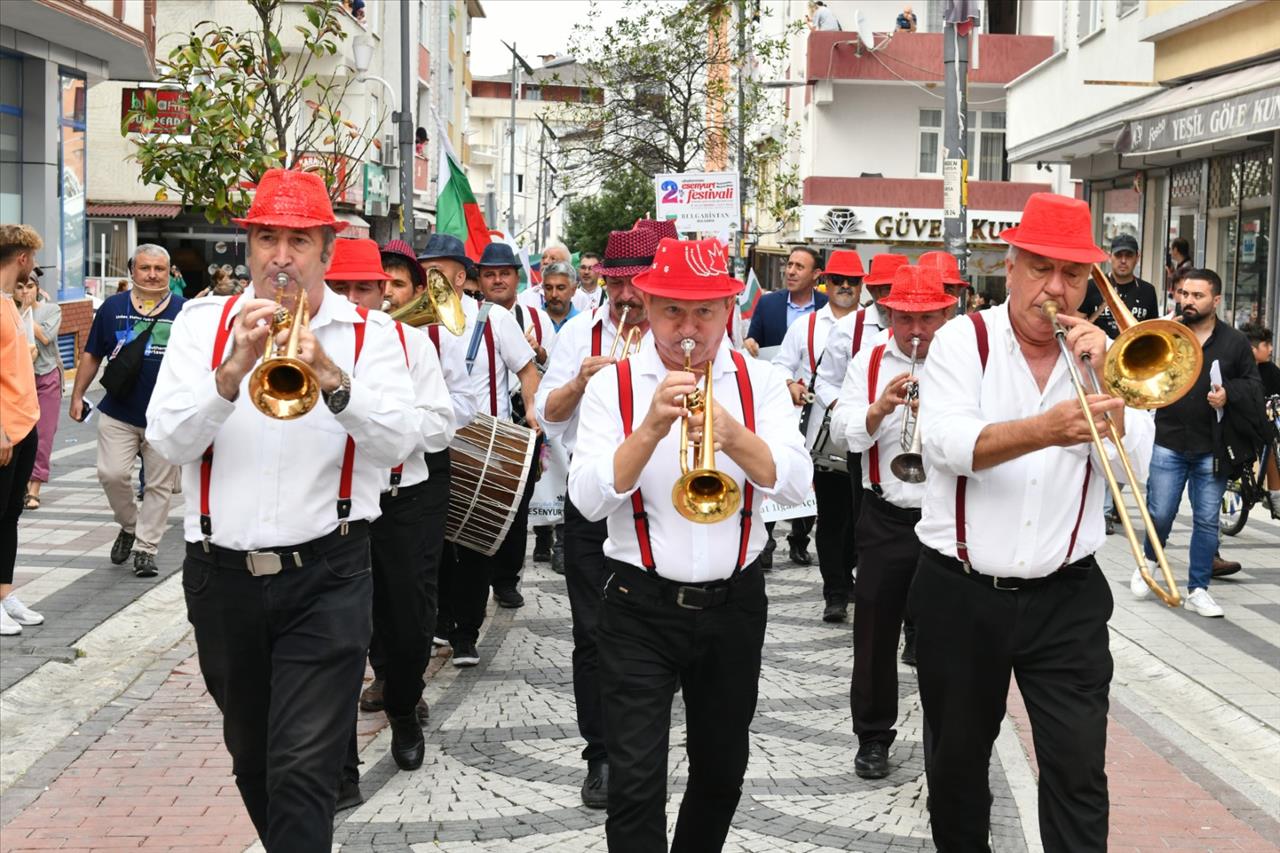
{"x":706,"y":202}
{"x":377,"y":200}
{"x":343,"y":172}
{"x":172,"y":110}
{"x":1253,"y":112}
{"x":896,"y":225}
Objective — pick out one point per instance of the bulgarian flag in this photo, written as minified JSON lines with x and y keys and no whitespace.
{"x":457,"y":212}
{"x":749,"y":296}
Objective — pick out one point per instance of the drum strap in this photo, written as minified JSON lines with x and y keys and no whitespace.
{"x":873,"y":454}
{"x":398,"y":471}
{"x":482,"y":323}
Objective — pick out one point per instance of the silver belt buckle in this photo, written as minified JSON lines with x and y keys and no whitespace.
{"x":261,"y":563}
{"x":687,"y":605}
{"x":995,"y":583}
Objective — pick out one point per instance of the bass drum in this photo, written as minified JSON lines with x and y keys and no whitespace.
{"x":491,"y":460}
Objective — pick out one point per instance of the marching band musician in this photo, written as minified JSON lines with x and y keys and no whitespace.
{"x":874,"y":399}
{"x":684,"y":603}
{"x":490,"y":329}
{"x":585,"y":346}
{"x":276,"y":577}
{"x":404,"y":577}
{"x":1012,"y":514}
{"x":802,"y":350}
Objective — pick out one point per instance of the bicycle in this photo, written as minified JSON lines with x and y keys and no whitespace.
{"x":1250,"y":489}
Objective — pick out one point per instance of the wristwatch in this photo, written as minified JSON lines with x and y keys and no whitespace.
{"x":338,"y":398}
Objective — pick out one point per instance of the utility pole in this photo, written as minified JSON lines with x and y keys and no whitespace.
{"x":542,"y":144}
{"x":955,"y":164}
{"x":517,"y":62}
{"x":407,"y":162}
{"x":740,"y":244}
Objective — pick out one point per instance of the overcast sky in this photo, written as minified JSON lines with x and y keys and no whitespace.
{"x":535,"y":26}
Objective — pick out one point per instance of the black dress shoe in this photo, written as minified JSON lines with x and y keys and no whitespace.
{"x":122,"y":547}
{"x":872,"y":761}
{"x":423,"y":710}
{"x":837,"y":610}
{"x":407,"y":744}
{"x":557,"y":560}
{"x":595,"y":789}
{"x":542,"y":538}
{"x":800,"y":556}
{"x":349,"y":795}
{"x":371,"y":698}
{"x":1111,"y":526}
{"x":508,"y":597}
{"x":909,"y":651}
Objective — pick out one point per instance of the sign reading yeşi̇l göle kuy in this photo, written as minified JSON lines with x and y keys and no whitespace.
{"x":172,"y":113}
{"x":1242,"y":115}
{"x":704,"y":202}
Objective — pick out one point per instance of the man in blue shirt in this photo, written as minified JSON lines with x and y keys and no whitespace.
{"x":558,"y":292}
{"x":147,"y":308}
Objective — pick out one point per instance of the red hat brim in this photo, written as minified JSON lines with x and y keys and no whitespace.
{"x":355,"y":276}
{"x":271,"y":220}
{"x":876,"y":282}
{"x":1076,"y":254}
{"x":691,"y":289}
{"x":913,"y":306}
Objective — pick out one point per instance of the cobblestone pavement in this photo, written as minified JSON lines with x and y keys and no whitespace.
{"x":110,"y":741}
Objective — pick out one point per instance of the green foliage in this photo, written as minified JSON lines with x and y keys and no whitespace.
{"x":625,"y":197}
{"x":253,"y":107}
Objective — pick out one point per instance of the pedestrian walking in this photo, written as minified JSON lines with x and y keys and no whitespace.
{"x":19,"y":415}
{"x":132,"y":333}
{"x":42,"y":319}
{"x":278,"y":504}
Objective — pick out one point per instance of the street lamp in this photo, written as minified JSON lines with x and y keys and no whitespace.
{"x":362,"y":56}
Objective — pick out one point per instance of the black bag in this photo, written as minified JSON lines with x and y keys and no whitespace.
{"x":121,"y":372}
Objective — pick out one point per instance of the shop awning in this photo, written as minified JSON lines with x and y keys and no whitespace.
{"x":357,"y":228}
{"x":129,"y":210}
{"x":1216,"y":109}
{"x":1080,"y":139}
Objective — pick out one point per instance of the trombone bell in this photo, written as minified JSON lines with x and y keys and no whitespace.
{"x":702,"y":494}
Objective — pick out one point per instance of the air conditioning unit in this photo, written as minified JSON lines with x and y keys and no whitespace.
{"x":390,"y":150}
{"x":378,"y":208}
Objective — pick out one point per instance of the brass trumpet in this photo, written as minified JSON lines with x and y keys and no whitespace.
{"x":1151,"y":365}
{"x":438,"y":303}
{"x":908,"y":466}
{"x":702,"y":494}
{"x":284,"y":386}
{"x":630,"y":341}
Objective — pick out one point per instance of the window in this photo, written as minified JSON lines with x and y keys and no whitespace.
{"x":985,"y":141}
{"x":930,"y":142}
{"x":108,"y":248}
{"x":1124,"y":7}
{"x":1090,"y":20}
{"x":71,"y":160}
{"x":10,"y":138}
{"x":532,"y":92}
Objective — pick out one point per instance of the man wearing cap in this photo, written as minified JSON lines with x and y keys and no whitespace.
{"x":684,"y":603}
{"x":465,"y":580}
{"x":1007,"y":583}
{"x":404,"y":578}
{"x":875,"y":398}
{"x":277,"y":579}
{"x":802,"y":349}
{"x":583,"y":348}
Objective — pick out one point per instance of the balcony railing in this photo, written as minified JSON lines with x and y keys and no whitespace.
{"x":835,"y":55}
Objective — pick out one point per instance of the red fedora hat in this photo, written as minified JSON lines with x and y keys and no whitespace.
{"x":356,"y":260}
{"x":661,"y":227}
{"x":945,"y":264}
{"x":631,"y":252}
{"x":845,"y":262}
{"x":689,"y":270}
{"x":917,"y":290}
{"x":287,"y":198}
{"x":883,"y":267}
{"x":1057,"y":227}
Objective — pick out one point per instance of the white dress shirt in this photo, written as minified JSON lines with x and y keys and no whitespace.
{"x":436,"y":425}
{"x":1019,"y":514}
{"x":853,"y":407}
{"x":839,"y":350}
{"x":274,"y":483}
{"x":510,"y":349}
{"x":795,"y":358}
{"x":464,"y":392}
{"x":543,"y":331}
{"x":683,"y":551}
{"x":587,"y":301}
{"x":531,"y":296}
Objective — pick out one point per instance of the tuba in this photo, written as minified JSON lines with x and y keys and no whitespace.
{"x":438,"y":303}
{"x":702,"y":494}
{"x":284,"y":386}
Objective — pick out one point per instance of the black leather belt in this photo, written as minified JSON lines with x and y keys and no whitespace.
{"x":1071,"y":571}
{"x":272,"y":561}
{"x":404,"y":491}
{"x":906,"y":515}
{"x":690,"y":596}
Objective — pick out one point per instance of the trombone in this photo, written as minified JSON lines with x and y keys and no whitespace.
{"x":1150,"y":365}
{"x":630,"y":341}
{"x":702,"y":494}
{"x":908,"y":466}
{"x":284,"y":386}
{"x":438,"y":303}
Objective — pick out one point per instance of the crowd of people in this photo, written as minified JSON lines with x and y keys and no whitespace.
{"x":958,"y":490}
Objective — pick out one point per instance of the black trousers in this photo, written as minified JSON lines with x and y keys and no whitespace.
{"x":834,"y":536}
{"x":13,"y":492}
{"x":650,"y":647}
{"x":283,"y":657}
{"x":801,"y":527}
{"x":888,"y":554}
{"x":473,"y":571}
{"x":1053,"y":639}
{"x":584,"y":576}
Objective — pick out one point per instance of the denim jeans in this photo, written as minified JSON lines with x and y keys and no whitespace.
{"x":1172,"y":471}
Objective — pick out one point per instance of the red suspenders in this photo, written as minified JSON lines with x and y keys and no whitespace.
{"x":349,"y":453}
{"x":597,"y":331}
{"x":397,"y":471}
{"x":873,"y":376}
{"x":537,"y":325}
{"x":434,"y":332}
{"x":493,"y":376}
{"x":813,"y":361}
{"x":857,"y":332}
{"x":625,"y":405}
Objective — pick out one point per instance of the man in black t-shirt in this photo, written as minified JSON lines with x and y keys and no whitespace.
{"x":1138,"y":296}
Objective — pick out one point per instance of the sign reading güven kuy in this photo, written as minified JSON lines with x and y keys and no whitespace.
{"x":1252,"y":112}
{"x":698,"y":201}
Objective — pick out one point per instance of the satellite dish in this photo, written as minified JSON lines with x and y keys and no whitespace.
{"x":866,"y":36}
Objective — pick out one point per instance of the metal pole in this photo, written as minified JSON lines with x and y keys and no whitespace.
{"x":740,"y":245}
{"x":955,"y":167}
{"x":542,"y":170}
{"x":407,"y":92}
{"x":511,"y":175}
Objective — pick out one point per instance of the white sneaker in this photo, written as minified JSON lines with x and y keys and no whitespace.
{"x":1138,"y":586}
{"x":19,"y":612}
{"x":1202,"y":602}
{"x":7,"y":626}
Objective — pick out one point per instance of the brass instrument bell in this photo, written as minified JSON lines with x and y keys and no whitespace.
{"x":702,"y":494}
{"x":284,"y":386}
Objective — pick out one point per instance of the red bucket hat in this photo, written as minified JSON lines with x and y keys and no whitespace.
{"x":287,"y":198}
{"x":689,"y":270}
{"x":1057,"y":227}
{"x":883,"y":267}
{"x":917,"y":290}
{"x":945,"y":263}
{"x":845,"y":262}
{"x":356,"y":260}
